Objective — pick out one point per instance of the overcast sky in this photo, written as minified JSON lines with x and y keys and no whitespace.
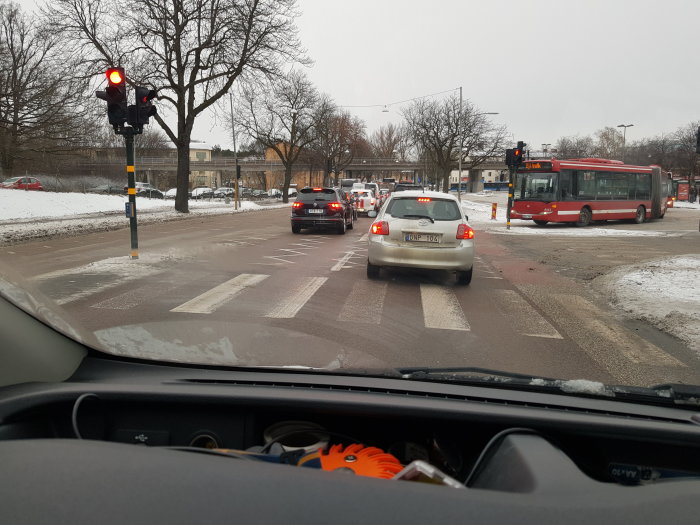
{"x":548,"y":67}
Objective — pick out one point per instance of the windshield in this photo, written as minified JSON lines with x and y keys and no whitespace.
{"x":436,"y":209}
{"x":298,"y":260}
{"x":536,"y":186}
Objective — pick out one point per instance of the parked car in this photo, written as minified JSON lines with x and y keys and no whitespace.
{"x":322,"y":208}
{"x":274,"y":192}
{"x":109,"y":189}
{"x":172,"y":193}
{"x":259,"y":194}
{"x":150,"y":193}
{"x":202,"y":193}
{"x":417,"y":229}
{"x":221,"y":193}
{"x":22,"y":183}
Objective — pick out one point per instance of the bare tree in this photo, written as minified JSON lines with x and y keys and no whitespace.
{"x":40,"y":113}
{"x":609,"y":144}
{"x":283,"y":117}
{"x":685,"y":157}
{"x":337,"y":138}
{"x":575,"y":147}
{"x":441,"y":130}
{"x":191,"y":51}
{"x":390,"y":141}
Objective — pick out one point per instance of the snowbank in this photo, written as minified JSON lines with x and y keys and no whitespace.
{"x":664,"y":293}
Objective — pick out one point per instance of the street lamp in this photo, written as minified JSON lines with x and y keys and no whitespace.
{"x":624,"y":137}
{"x":544,"y":148}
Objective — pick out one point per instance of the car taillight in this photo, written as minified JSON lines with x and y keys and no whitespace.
{"x":464,"y":232}
{"x":380,"y":228}
{"x":335,"y":206}
{"x":372,"y":202}
{"x":297,"y":205}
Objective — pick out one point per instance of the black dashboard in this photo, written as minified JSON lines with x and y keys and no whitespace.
{"x":163,"y":443}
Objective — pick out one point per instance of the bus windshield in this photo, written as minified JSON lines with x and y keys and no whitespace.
{"x":536,"y":186}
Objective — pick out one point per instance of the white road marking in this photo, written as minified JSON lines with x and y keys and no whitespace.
{"x":441,"y":309}
{"x":363,"y":238}
{"x":365,"y":303}
{"x":209,"y":301}
{"x":132,"y":298}
{"x":522,"y":317}
{"x":342,"y":261}
{"x":297,"y":298}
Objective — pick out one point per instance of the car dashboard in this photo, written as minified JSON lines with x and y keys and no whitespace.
{"x":145,"y":442}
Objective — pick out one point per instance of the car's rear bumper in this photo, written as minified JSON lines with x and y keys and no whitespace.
{"x":449,"y":258}
{"x":316,"y":222}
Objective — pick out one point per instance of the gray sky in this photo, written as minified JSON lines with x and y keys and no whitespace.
{"x":549,"y":67}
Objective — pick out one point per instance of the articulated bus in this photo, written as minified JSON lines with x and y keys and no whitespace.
{"x":586,"y":190}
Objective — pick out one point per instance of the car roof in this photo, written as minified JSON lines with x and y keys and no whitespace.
{"x":427,"y":193}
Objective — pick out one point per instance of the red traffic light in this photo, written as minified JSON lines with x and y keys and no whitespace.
{"x":115,"y":76}
{"x":517,"y":152}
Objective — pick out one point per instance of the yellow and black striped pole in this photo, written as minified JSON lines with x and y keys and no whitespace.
{"x":511,"y":170}
{"x":131,"y":190}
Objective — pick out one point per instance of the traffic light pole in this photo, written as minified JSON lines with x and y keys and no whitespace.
{"x":131,"y":190}
{"x":511,"y":191}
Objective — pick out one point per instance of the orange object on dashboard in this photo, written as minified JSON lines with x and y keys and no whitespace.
{"x":363,"y":461}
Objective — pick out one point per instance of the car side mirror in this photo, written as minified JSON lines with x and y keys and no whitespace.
{"x":371,"y":214}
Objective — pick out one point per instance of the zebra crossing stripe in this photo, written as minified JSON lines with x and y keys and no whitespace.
{"x":211,"y":300}
{"x":295,"y":301}
{"x":441,"y":309}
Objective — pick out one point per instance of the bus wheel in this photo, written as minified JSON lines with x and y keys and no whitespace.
{"x":640,"y":215}
{"x":584,"y":217}
{"x":541,"y":223}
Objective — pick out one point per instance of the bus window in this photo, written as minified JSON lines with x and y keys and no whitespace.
{"x":537,"y":186}
{"x":586,"y":190}
{"x":643,"y":186}
{"x":612,"y":186}
{"x":565,"y":190}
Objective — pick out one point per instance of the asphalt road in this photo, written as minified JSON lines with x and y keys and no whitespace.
{"x":242,"y":289}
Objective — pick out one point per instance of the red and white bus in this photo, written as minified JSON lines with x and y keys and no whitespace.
{"x":586,"y":190}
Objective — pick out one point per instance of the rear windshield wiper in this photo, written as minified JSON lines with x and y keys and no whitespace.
{"x":411,"y":216}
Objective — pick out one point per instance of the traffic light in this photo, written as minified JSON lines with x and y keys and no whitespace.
{"x":115,"y":96}
{"x":697,"y":144}
{"x":518,"y":153}
{"x":238,"y":172}
{"x":144,"y":107}
{"x":510,"y":161}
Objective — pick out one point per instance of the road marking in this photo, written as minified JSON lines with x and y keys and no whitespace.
{"x":365,"y":303}
{"x":276,"y":259}
{"x":209,"y":301}
{"x":132,"y":298}
{"x":522,"y":317}
{"x":341,"y":262}
{"x":363,"y":238}
{"x":441,"y":308}
{"x":295,"y":301}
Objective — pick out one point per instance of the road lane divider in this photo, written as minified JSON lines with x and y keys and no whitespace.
{"x":522,"y":317}
{"x":213,"y":299}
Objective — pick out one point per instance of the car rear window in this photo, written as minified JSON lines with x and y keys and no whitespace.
{"x":436,"y":209}
{"x":309,"y":195}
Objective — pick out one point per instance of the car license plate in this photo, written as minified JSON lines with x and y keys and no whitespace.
{"x":527,"y":216}
{"x":316,"y":211}
{"x":422,"y":237}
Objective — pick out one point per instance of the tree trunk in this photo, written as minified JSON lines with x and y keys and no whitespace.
{"x":183,"y":177}
{"x":287,"y":180}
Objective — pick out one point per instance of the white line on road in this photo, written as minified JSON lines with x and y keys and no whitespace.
{"x":524,"y":319}
{"x":365,"y":303}
{"x":363,"y":238}
{"x":209,"y":301}
{"x":297,"y":298}
{"x":441,"y":309}
{"x":342,"y":262}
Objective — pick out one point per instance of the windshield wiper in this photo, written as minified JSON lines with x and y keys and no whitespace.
{"x":465,"y":371}
{"x":411,"y":216}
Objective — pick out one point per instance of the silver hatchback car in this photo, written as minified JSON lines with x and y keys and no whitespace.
{"x":421,"y":229}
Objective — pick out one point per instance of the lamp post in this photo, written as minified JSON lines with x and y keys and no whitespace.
{"x":544,"y":148}
{"x":624,"y":138}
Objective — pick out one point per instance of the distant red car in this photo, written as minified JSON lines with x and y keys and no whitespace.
{"x":22,"y":183}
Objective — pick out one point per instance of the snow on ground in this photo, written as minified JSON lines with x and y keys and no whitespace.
{"x":34,"y":215}
{"x":664,"y":292}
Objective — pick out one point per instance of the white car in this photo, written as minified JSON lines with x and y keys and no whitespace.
{"x":364,"y":201}
{"x":417,"y":229}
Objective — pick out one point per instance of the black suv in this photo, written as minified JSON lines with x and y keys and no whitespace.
{"x":322,"y":208}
